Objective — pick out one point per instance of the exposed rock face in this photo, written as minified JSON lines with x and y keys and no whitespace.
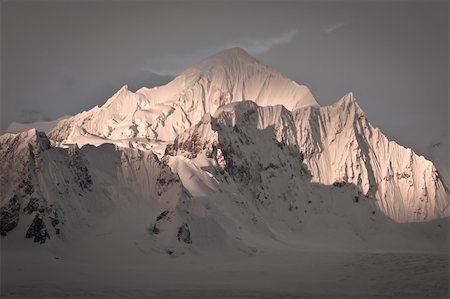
{"x":37,"y":230}
{"x":184,"y":234}
{"x":9,"y":215}
{"x":21,"y":158}
{"x":77,"y":164}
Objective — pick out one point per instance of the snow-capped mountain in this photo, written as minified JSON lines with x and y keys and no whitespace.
{"x":149,"y":117}
{"x":228,"y":154}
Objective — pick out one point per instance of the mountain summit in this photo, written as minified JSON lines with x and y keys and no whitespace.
{"x":161,"y":113}
{"x":228,"y":58}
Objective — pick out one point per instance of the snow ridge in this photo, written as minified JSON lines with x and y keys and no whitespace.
{"x":161,"y":113}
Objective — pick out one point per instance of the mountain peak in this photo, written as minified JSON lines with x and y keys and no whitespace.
{"x":36,"y":137}
{"x":235,"y":51}
{"x":232,"y":59}
{"x":161,"y":113}
{"x":240,"y":77}
{"x":23,"y":140}
{"x":231,"y":55}
{"x":348,"y":98}
{"x":348,"y":101}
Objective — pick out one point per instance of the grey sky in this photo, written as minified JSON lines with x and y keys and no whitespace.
{"x":64,"y":57}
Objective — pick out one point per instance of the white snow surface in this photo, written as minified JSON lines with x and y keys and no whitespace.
{"x":161,"y":113}
{"x":230,"y":181}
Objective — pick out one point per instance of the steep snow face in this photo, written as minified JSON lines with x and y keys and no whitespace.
{"x":337,"y":147}
{"x":158,"y":114}
{"x":340,"y":145}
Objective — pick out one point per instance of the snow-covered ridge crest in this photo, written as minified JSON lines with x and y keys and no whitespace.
{"x":161,"y":113}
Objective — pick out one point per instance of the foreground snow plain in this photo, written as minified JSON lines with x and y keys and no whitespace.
{"x":276,"y":273}
{"x":124,"y":263}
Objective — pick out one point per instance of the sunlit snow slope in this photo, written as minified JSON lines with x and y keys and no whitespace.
{"x":150,"y":116}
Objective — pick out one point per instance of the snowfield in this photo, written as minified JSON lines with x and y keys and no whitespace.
{"x":268,"y":274}
{"x":230,"y":181}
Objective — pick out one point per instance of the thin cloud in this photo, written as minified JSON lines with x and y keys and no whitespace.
{"x":336,"y":26}
{"x":256,"y":47}
{"x":30,"y":115}
{"x":172,"y":65}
